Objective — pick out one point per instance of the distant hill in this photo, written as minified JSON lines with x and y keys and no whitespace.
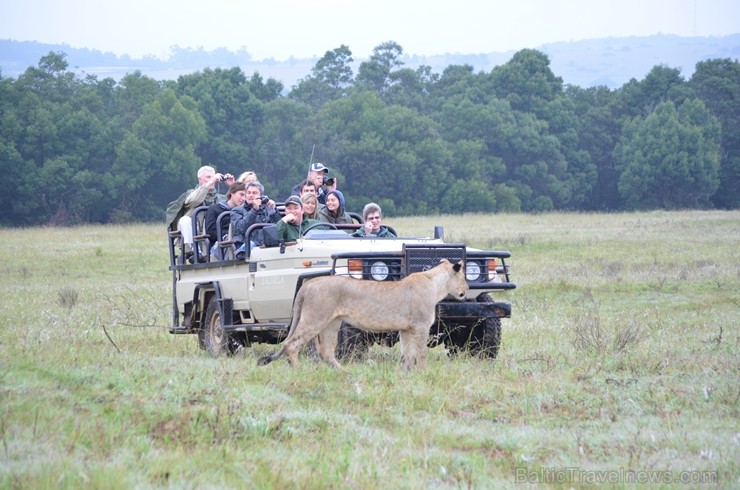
{"x":610,"y":61}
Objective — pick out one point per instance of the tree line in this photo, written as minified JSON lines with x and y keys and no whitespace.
{"x":76,"y":149}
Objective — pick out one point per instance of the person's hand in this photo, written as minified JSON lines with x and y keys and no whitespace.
{"x":229,"y":179}
{"x":289,"y":218}
{"x":368,"y":227}
{"x":214,"y":180}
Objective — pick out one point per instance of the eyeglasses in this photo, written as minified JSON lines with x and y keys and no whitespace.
{"x":373,"y":218}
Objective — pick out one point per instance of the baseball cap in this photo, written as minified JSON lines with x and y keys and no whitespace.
{"x":294,"y":200}
{"x":318,"y":167}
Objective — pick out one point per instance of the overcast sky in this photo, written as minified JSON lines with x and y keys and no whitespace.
{"x":306,"y":28}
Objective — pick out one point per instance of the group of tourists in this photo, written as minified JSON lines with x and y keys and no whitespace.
{"x":314,"y":200}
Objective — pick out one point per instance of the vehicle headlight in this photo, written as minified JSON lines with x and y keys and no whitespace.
{"x":472,"y":271}
{"x":379,"y":271}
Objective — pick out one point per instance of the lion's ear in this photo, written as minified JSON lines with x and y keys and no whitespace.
{"x":457,"y":266}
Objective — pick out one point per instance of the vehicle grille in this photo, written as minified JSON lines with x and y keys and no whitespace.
{"x":424,"y":257}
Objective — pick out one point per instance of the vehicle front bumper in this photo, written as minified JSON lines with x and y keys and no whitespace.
{"x":459,"y":310}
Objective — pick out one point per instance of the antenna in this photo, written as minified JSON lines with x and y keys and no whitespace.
{"x":310,"y":159}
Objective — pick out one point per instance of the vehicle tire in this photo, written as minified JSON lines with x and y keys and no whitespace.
{"x":486,"y":338}
{"x":455,"y":339}
{"x":352,"y":342}
{"x":215,"y":340}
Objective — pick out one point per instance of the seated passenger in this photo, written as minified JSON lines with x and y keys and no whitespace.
{"x":294,"y":223}
{"x":373,"y":215}
{"x":333,"y":211}
{"x":235,"y":197}
{"x":179,"y":212}
{"x":256,"y":209}
{"x":247,"y":177}
{"x":310,"y":206}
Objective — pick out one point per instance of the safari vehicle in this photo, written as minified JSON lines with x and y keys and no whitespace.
{"x":230,"y":304}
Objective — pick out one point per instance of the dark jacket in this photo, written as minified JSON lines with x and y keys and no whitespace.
{"x":242,"y":218}
{"x":214,"y":211}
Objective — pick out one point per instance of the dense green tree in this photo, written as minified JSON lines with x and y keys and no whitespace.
{"x":640,"y":98}
{"x":329,"y":80}
{"x":375,"y":73}
{"x":50,"y":79}
{"x":133,"y":92}
{"x":158,"y":159}
{"x":264,"y":91}
{"x":459,"y":80}
{"x":717,"y":84}
{"x":670,"y":159}
{"x":385,"y":152}
{"x":16,"y":200}
{"x":598,"y":130}
{"x":231,"y":113}
{"x":545,"y":164}
{"x":78,"y":149}
{"x":526,"y":82}
{"x":410,"y":88}
{"x":283,"y":146}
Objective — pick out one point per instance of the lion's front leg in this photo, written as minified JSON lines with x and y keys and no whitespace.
{"x":328,"y":342}
{"x":413,"y":347}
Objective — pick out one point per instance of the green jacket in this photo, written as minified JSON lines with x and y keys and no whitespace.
{"x":290,"y":232}
{"x":187,"y":202}
{"x":382,"y":233}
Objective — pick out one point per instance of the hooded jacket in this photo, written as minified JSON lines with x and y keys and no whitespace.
{"x":341,"y":216}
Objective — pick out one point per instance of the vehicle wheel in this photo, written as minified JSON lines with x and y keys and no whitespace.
{"x":215,"y":340}
{"x":454,"y":340}
{"x":486,"y":338}
{"x":352,"y":342}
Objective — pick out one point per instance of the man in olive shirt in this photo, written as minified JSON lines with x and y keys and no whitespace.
{"x":293,"y":224}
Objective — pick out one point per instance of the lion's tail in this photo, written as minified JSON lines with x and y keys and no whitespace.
{"x":297,"y":307}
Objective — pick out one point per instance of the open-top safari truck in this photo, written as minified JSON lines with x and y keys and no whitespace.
{"x":232,"y":303}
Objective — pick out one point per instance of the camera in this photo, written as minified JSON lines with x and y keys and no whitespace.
{"x":264,"y":200}
{"x":225,"y":177}
{"x":328,"y":180}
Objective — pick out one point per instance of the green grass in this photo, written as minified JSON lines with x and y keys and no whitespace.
{"x":621,"y":357}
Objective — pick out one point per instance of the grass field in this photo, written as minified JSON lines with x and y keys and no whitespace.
{"x":620,"y":364}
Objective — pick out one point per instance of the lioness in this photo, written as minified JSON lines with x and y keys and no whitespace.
{"x":406,"y":306}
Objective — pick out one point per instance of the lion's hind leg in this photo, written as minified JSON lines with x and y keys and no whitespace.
{"x":328,"y":342}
